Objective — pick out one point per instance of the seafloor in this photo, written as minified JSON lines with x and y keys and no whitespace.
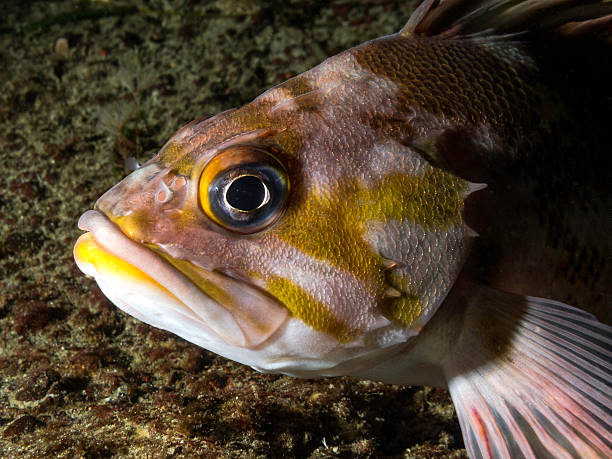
{"x":84,"y":85}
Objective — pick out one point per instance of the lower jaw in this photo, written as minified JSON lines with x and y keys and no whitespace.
{"x":238,"y":313}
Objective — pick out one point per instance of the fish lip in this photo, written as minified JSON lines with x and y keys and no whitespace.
{"x":230,"y":327}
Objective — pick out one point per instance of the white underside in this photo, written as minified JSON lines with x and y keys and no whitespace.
{"x":295,"y":349}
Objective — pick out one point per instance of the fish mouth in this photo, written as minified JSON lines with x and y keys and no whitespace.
{"x":174,"y":294}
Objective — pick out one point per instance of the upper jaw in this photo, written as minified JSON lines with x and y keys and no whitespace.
{"x":237,"y":312}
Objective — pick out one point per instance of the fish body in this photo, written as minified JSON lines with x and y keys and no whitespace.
{"x":419,"y":209}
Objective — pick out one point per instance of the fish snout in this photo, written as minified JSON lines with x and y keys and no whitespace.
{"x":136,"y":191}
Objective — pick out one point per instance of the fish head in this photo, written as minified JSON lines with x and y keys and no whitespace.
{"x":296,"y":234}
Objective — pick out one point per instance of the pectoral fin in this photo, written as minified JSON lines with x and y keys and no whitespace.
{"x":532,"y":377}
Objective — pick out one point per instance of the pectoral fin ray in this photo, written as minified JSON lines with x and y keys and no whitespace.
{"x":542,"y":389}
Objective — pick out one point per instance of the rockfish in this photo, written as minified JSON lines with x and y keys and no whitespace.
{"x":420,"y":209}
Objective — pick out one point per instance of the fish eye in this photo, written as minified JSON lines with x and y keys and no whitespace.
{"x":244,"y":189}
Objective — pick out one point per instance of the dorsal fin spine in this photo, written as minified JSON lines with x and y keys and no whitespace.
{"x":448,"y":18}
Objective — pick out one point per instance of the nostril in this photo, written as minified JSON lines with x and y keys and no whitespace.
{"x":178,"y":182}
{"x":164,"y":194}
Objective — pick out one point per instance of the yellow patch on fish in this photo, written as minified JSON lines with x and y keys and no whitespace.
{"x":196,"y":276}
{"x":405,"y":310}
{"x":134,"y":224}
{"x":171,"y":153}
{"x":312,"y":312}
{"x":88,"y":251}
{"x":329,"y":226}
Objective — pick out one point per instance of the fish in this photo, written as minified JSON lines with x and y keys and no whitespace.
{"x":427,"y":208}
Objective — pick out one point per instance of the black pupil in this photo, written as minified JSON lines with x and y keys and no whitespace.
{"x":246,"y":193}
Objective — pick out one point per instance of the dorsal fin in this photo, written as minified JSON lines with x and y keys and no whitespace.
{"x":448,"y":18}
